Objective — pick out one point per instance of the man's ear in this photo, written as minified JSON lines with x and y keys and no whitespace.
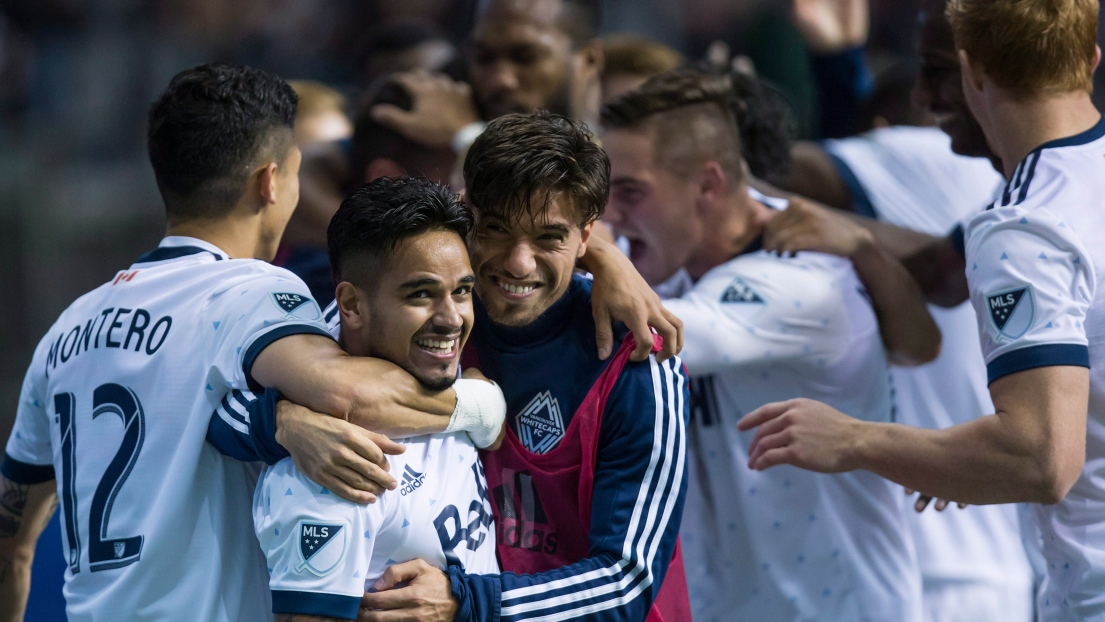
{"x":1096,"y":58}
{"x":383,"y":167}
{"x":713,"y":184}
{"x":348,"y":300}
{"x":972,"y":74}
{"x":584,"y":236}
{"x":268,"y":184}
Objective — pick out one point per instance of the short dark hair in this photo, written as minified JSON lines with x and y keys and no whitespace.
{"x":372,"y":139}
{"x":698,"y":123}
{"x":522,"y":157}
{"x":209,"y":126}
{"x":376,"y":217}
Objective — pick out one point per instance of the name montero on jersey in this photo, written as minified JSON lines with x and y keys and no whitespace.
{"x":69,"y":343}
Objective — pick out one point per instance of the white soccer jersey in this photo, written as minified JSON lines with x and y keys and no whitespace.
{"x":117,"y":400}
{"x":325,"y":552}
{"x":910,"y":177}
{"x":1034,"y":264}
{"x":787,"y":544}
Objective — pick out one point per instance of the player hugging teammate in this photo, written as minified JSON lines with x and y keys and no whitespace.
{"x":466,"y":433}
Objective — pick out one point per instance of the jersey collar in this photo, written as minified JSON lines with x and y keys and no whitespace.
{"x":176,"y":246}
{"x":1083,"y":138}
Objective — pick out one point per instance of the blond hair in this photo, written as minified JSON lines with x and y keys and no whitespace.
{"x":1029,"y":46}
{"x":632,"y":55}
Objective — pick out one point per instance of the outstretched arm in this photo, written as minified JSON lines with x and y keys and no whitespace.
{"x":1031,"y":450}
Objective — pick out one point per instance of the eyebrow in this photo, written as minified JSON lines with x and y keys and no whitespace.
{"x":556,"y":228}
{"x":621,"y":181}
{"x":429,"y":282}
{"x":421,"y":282}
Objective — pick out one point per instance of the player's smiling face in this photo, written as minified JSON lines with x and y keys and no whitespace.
{"x":524,"y":266}
{"x":652,"y":208}
{"x":418,"y":313}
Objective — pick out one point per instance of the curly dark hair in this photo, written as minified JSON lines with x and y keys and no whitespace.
{"x":209,"y":126}
{"x":520,"y":160}
{"x":376,"y":217}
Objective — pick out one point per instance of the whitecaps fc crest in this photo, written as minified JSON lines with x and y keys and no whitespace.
{"x":1011,"y":312}
{"x":541,"y":426}
{"x":321,"y":546}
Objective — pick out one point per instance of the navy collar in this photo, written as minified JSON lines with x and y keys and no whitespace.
{"x":1083,"y":138}
{"x":175,"y":247}
{"x":548,"y":325}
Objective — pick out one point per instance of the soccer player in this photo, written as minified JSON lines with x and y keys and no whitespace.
{"x":199,"y":322}
{"x":588,"y":486}
{"x":790,"y":545}
{"x":147,"y":507}
{"x":404,"y":295}
{"x":1027,"y":68}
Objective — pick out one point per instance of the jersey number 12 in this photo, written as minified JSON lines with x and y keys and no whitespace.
{"x":103,"y":553}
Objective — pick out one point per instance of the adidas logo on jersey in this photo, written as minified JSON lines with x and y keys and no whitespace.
{"x":739,"y":291}
{"x":412,"y":480}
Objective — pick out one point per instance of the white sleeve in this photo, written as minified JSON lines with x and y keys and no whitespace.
{"x":248,"y":316}
{"x":760,"y":308}
{"x":28,"y":457}
{"x":318,"y":545}
{"x":1031,"y":284}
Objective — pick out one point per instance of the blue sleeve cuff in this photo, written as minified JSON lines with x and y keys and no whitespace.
{"x":861,"y":203}
{"x":479,"y":597}
{"x":25,"y":473}
{"x":1047,"y":355}
{"x":267,"y":340}
{"x":260,"y":441}
{"x":316,"y":604}
{"x":959,"y":240}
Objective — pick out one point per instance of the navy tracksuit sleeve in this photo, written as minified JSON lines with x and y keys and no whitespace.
{"x":640,"y":485}
{"x":243,"y":427}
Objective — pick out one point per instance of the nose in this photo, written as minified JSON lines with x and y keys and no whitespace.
{"x":447,"y":316}
{"x":502,"y":76}
{"x":520,"y":261}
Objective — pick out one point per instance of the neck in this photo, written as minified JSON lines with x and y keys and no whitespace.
{"x":740,"y":222}
{"x":1019,"y":126}
{"x":237,"y":237}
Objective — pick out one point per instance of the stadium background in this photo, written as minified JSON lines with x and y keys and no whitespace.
{"x":77,"y":198}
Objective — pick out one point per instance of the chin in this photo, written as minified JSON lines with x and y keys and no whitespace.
{"x":439,"y":383}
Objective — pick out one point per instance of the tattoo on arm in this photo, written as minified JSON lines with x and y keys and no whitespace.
{"x":13,"y":500}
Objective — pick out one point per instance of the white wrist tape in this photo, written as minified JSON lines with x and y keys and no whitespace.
{"x":480,"y":411}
